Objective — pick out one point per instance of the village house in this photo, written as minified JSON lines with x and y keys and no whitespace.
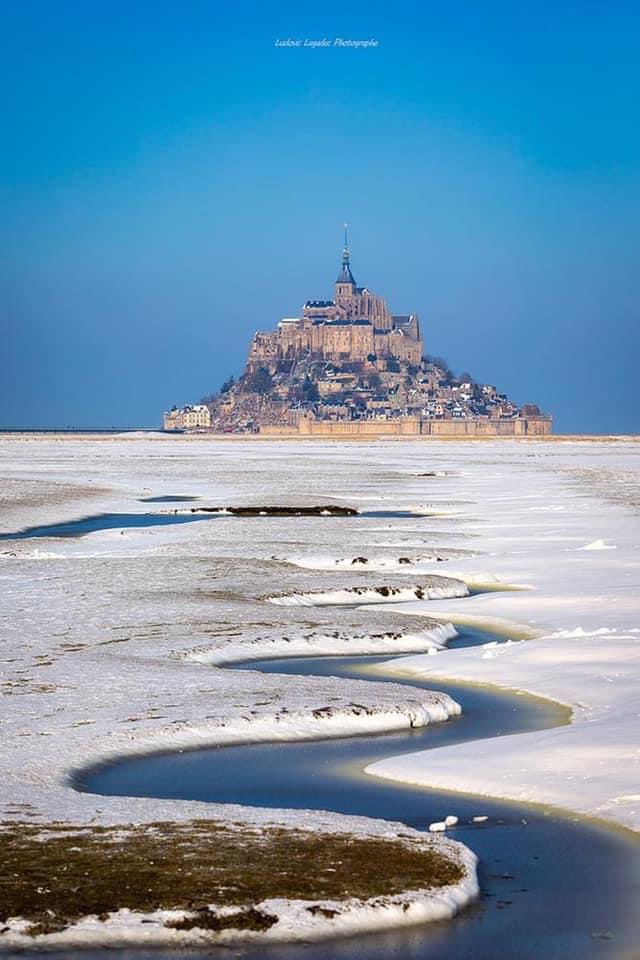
{"x":190,"y":417}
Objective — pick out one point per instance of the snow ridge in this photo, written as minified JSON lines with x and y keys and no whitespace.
{"x":319,"y":724}
{"x":323,"y":644}
{"x":442,"y":590}
{"x":407,"y":563}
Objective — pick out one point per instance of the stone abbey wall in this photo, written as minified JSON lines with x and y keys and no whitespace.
{"x":415,"y":427}
{"x":349,"y":328}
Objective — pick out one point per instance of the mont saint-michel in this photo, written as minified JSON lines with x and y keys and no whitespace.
{"x":349,"y":366}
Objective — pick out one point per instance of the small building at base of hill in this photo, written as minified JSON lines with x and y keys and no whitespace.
{"x":190,"y":417}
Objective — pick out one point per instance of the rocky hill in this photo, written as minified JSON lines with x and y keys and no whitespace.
{"x":349,"y":360}
{"x":277,"y":394}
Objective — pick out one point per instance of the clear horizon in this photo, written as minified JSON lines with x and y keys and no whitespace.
{"x":176,"y":180}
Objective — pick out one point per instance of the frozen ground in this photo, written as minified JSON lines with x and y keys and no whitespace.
{"x":108,"y":639}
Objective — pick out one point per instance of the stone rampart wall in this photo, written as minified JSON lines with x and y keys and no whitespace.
{"x":415,"y":427}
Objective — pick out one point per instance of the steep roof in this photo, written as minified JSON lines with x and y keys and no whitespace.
{"x":345,"y":275}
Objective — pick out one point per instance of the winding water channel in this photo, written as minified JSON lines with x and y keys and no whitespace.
{"x":553,"y":886}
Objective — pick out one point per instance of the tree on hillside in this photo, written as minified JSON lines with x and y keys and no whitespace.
{"x":310,"y":390}
{"x":260,"y":382}
{"x":441,"y":364}
{"x":226,"y":386}
{"x":393,"y":365}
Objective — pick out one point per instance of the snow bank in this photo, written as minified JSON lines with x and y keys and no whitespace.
{"x":322,"y":723}
{"x":357,"y":595}
{"x":589,"y":766}
{"x":338,"y":643}
{"x":403,"y":563}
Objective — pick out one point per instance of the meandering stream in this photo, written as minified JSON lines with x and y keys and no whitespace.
{"x":553,"y":886}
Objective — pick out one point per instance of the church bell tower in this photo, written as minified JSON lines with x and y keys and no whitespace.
{"x":345,"y":284}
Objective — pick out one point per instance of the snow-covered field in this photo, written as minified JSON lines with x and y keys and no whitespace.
{"x":110,"y":640}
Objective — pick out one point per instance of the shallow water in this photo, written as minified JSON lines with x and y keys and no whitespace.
{"x":553,"y":886}
{"x":105,"y":521}
{"x":124,"y":521}
{"x":168,"y":498}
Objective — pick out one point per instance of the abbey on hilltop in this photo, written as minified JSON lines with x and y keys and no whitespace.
{"x":356,"y":326}
{"x":350,"y":367}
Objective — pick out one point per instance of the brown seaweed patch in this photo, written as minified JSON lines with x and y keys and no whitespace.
{"x":325,"y":510}
{"x":205,"y":919}
{"x":54,"y":876}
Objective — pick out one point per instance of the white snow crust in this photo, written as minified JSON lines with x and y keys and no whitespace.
{"x":409,"y":563}
{"x":360,"y":595}
{"x":321,"y":645}
{"x":110,"y":640}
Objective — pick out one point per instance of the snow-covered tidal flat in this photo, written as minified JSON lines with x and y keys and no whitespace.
{"x":111,"y":636}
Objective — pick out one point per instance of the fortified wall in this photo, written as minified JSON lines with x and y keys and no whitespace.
{"x":414,"y":427}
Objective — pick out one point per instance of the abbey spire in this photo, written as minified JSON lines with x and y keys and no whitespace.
{"x":345,"y":284}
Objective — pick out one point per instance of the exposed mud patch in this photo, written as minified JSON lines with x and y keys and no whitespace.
{"x":323,"y":510}
{"x":52,"y":877}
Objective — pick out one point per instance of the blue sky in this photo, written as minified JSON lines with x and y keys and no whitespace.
{"x":172,"y":181}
